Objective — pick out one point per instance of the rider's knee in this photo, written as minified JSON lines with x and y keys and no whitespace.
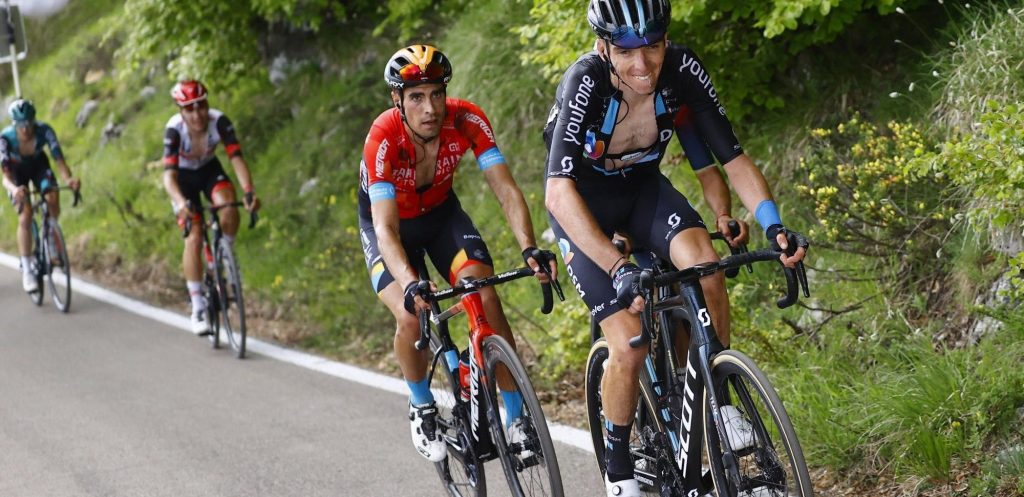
{"x":625,"y":357}
{"x":407,"y":327}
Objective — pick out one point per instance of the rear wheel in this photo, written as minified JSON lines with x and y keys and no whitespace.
{"x":59,"y":275}
{"x":773,"y":463}
{"x":232,"y":304}
{"x":461,"y":472}
{"x":525,"y":447}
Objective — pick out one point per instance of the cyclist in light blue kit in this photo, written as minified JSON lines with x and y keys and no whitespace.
{"x":24,"y":161}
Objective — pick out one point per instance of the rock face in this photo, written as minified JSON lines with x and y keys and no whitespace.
{"x":87,"y":109}
{"x":1010,"y":240}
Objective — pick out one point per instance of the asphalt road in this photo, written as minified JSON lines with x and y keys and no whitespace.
{"x":103,"y":402}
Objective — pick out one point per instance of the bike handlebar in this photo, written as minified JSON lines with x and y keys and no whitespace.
{"x":78,"y":196}
{"x":253,"y":215}
{"x":474,"y":285}
{"x":796,"y":279}
{"x":734,"y":231}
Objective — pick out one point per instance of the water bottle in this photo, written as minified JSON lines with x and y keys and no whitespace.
{"x":464,"y":374}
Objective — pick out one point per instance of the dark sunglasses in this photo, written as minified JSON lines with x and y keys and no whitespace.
{"x":627,"y":36}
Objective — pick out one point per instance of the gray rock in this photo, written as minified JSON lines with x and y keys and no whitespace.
{"x":308,"y":186}
{"x":87,"y":109}
{"x":147,"y":92}
{"x":111,"y":131}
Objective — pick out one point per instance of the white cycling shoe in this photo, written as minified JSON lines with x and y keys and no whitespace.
{"x":29,"y":283}
{"x":423,"y":425}
{"x":517,"y":435}
{"x":624,"y":488}
{"x":739,"y":430}
{"x":201,"y":323}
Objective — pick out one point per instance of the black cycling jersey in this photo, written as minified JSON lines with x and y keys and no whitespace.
{"x":581,"y":123}
{"x":637,"y":199}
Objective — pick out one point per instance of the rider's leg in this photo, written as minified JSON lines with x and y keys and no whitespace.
{"x":224,"y":193}
{"x":192,"y":264}
{"x":619,"y":390}
{"x":693,"y":246}
{"x":53,"y":203}
{"x":25,"y":231}
{"x":412,"y":362}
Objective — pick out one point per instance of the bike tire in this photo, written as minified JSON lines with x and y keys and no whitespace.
{"x":58,"y":274}
{"x":212,"y":308}
{"x":535,"y":473}
{"x":40,"y":266}
{"x":461,"y":472}
{"x":644,"y":456}
{"x":774,"y":464}
{"x":232,"y":302}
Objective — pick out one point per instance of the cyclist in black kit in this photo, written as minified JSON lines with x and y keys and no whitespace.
{"x":615,"y":112}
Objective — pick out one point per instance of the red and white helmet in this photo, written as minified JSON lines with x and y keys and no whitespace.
{"x":188,"y":92}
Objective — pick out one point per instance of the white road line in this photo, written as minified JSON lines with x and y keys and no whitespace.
{"x":560,"y":433}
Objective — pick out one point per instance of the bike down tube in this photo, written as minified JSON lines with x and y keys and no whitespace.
{"x":479,"y":329}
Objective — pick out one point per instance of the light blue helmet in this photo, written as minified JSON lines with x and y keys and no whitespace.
{"x":22,"y":110}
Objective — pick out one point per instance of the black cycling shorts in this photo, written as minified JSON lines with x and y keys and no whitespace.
{"x":445,"y":233}
{"x":650,"y":211}
{"x":37,"y":172}
{"x":205,"y":180}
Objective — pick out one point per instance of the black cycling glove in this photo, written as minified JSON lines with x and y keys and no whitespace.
{"x":795,"y":239}
{"x":627,"y":284}
{"x":543,"y":258}
{"x":418,"y":287}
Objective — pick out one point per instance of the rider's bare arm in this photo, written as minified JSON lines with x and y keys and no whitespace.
{"x":385,"y":225}
{"x":753,"y":189}
{"x":565,"y":203}
{"x":514,"y":205}
{"x":719,"y":199}
{"x":172,"y":188}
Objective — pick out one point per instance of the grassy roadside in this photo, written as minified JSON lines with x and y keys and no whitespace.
{"x":876,"y":398}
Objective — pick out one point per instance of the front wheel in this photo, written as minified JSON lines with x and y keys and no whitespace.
{"x":524,"y":444}
{"x":462,"y":471}
{"x":232,"y":304}
{"x":58,"y":277}
{"x":770,"y":461}
{"x":39,"y":266}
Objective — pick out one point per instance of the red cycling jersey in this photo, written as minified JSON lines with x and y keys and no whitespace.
{"x":387,"y":170}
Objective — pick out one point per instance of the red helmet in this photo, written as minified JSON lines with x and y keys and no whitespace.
{"x":188,"y":92}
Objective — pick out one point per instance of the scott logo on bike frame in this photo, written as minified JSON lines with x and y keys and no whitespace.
{"x":686,"y":419}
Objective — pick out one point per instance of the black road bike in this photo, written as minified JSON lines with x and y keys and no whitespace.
{"x":680,"y":424}
{"x":50,"y":253}
{"x":222,"y":281}
{"x":470,"y":411}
